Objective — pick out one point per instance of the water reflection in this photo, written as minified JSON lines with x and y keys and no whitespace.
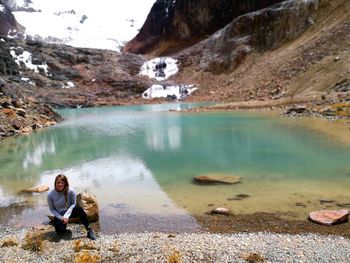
{"x":35,"y":157}
{"x":163,"y":134}
{"x":118,"y":179}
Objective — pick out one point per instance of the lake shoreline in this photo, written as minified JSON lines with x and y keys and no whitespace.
{"x":181,"y":247}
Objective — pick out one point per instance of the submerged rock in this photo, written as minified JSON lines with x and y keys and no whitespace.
{"x":329,"y":217}
{"x":238,"y":197}
{"x":217,"y":178}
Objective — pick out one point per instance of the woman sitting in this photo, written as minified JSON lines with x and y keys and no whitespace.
{"x":62,"y":203}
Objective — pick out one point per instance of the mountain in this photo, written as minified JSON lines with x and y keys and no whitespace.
{"x":241,"y":54}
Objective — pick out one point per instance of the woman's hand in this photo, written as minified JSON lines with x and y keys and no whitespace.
{"x":64,"y":220}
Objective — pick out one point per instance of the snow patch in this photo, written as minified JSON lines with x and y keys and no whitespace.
{"x":2,"y":8}
{"x":68,"y":85}
{"x":159,"y":68}
{"x":28,"y":81}
{"x":168,"y":91}
{"x":26,"y":58}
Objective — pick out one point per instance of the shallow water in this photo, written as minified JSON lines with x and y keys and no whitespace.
{"x":139,"y":161}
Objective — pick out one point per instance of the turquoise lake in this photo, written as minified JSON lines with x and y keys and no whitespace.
{"x":140,"y":161}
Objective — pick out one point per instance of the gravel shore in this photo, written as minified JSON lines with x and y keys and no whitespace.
{"x":164,"y":247}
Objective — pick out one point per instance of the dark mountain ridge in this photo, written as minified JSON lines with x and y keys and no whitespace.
{"x":174,"y":25}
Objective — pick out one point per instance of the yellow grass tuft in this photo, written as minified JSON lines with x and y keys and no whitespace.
{"x":33,"y":241}
{"x":253,"y":258}
{"x":86,"y":257}
{"x":174,"y":257}
{"x":342,"y":109}
{"x":79,"y":245}
{"x":115,"y":247}
{"x":9,"y":242}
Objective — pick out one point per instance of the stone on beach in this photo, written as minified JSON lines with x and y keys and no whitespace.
{"x":221,"y":211}
{"x":217,"y":178}
{"x":35,"y":189}
{"x":329,"y":217}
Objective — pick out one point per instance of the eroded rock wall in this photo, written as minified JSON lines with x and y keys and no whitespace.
{"x":258,"y":31}
{"x":174,"y":25}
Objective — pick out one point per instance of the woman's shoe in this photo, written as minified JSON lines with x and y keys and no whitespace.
{"x":91,"y":234}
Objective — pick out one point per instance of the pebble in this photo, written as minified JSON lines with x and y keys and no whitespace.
{"x":188,"y":247}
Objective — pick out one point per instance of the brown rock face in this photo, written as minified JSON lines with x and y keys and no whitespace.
{"x":174,"y":25}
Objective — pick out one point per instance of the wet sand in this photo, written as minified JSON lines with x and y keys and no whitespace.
{"x":267,"y":222}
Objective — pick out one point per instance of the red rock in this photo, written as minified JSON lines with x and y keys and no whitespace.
{"x":17,"y":124}
{"x":9,"y":112}
{"x":329,"y":217}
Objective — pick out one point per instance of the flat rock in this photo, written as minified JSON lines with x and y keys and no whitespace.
{"x":329,"y":217}
{"x":217,"y":178}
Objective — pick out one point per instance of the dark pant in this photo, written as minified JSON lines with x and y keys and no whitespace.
{"x":77,"y":212}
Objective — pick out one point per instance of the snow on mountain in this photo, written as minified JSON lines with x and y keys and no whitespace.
{"x":106,"y":24}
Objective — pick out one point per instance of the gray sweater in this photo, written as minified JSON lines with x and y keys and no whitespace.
{"x":57,"y":203}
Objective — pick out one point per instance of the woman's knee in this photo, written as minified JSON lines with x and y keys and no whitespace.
{"x":60,"y":228}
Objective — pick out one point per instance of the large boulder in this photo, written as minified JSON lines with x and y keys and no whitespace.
{"x":88,"y":202}
{"x":329,"y":217}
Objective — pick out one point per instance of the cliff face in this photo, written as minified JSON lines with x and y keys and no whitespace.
{"x":174,"y":25}
{"x":258,"y":31}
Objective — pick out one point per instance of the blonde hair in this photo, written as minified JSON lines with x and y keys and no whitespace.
{"x":63,"y":178}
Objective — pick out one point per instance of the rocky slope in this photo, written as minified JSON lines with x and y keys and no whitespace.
{"x":19,"y":116}
{"x":61,"y":76}
{"x":291,"y":52}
